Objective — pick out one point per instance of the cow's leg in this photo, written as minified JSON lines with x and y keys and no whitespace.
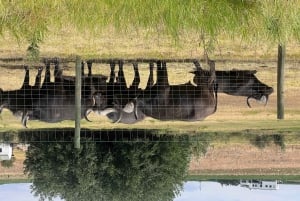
{"x":89,"y":90}
{"x":159,"y":79}
{"x":112,"y":73}
{"x":162,"y":74}
{"x":165,"y":74}
{"x":30,"y":93}
{"x":47,"y":78}
{"x":58,"y":77}
{"x":24,"y":94}
{"x":197,"y":65}
{"x":150,"y":81}
{"x":56,"y":67}
{"x":121,"y":77}
{"x":89,"y":65}
{"x":136,"y":81}
{"x":82,"y":68}
{"x":25,"y":117}
{"x":58,"y":80}
{"x":59,"y":94}
{"x":92,"y":86}
{"x":37,"y":83}
{"x":26,"y":78}
{"x":163,"y":83}
{"x":85,"y":84}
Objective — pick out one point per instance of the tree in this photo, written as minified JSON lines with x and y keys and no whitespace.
{"x":267,"y":20}
{"x":142,"y":168}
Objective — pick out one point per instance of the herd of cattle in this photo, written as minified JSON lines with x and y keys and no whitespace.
{"x":50,"y":101}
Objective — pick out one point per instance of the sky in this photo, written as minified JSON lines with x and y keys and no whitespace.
{"x":193,"y":191}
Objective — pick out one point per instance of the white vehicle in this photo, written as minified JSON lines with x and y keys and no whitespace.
{"x":5,"y":151}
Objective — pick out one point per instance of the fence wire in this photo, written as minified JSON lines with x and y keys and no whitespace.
{"x":231,"y":106}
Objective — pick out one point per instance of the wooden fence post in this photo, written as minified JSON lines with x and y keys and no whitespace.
{"x":77,"y":103}
{"x":280,"y":81}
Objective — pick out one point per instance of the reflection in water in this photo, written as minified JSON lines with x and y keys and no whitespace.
{"x":208,"y":190}
{"x":123,"y":164}
{"x":192,"y":190}
{"x":261,"y":141}
{"x":148,"y":167}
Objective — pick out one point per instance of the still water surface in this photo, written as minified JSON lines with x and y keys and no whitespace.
{"x":192,"y":191}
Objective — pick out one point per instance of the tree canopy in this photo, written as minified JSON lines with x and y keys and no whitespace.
{"x":270,"y":20}
{"x":143,"y":168}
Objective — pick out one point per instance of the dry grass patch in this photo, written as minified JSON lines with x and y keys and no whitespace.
{"x":133,"y":44}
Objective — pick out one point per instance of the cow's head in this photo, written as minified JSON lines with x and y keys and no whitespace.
{"x":244,"y":83}
{"x":99,"y":101}
{"x":237,"y":83}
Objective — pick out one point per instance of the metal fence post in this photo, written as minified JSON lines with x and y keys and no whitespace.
{"x":280,"y":81}
{"x":77,"y":103}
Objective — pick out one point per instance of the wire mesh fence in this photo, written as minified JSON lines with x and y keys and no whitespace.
{"x":143,"y":93}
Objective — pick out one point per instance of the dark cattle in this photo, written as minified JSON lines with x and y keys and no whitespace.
{"x":111,"y":102}
{"x":185,"y":102}
{"x":241,"y":83}
{"x":90,"y":85}
{"x":19,"y":102}
{"x":53,"y":101}
{"x":57,"y":99}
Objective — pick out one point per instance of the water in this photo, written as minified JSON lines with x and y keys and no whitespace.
{"x":146,"y":165}
{"x":195,"y":190}
{"x":192,"y":191}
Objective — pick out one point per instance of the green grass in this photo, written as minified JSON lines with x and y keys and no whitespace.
{"x":232,"y":115}
{"x":14,"y":180}
{"x":284,"y":178}
{"x":219,"y":132}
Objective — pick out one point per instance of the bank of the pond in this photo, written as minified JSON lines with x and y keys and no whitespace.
{"x":216,"y":177}
{"x":171,"y":127}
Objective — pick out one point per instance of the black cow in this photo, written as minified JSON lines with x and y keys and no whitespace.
{"x":57,"y":99}
{"x":241,"y":83}
{"x":52,"y":101}
{"x":111,"y":102}
{"x":19,"y":102}
{"x":185,"y":102}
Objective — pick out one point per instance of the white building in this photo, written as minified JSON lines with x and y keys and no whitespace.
{"x":5,"y":151}
{"x":260,"y":185}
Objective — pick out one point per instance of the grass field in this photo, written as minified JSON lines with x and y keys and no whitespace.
{"x":232,"y":115}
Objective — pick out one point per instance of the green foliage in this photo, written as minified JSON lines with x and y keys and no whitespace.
{"x":32,"y":20}
{"x":7,"y":136}
{"x":280,"y":20}
{"x":149,"y":168}
{"x":200,"y":143}
{"x":33,"y":52}
{"x":261,"y":141}
{"x":8,"y":163}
